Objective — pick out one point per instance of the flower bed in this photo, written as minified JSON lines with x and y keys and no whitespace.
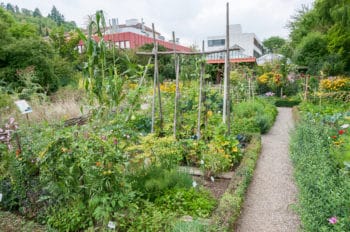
{"x":320,"y":164}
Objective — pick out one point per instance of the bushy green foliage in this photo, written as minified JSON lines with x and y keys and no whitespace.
{"x":320,"y":35}
{"x":24,"y":48}
{"x":186,"y":201}
{"x":323,"y":190}
{"x":254,"y":116}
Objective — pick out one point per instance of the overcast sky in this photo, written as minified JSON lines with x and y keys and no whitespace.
{"x":192,"y":20}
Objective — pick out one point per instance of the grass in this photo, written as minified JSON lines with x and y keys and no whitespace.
{"x":64,"y":104}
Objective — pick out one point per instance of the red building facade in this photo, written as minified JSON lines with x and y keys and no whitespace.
{"x":130,"y":40}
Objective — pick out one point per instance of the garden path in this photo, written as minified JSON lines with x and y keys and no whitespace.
{"x":272,"y":192}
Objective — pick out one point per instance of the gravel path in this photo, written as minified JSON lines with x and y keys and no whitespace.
{"x":272,"y":191}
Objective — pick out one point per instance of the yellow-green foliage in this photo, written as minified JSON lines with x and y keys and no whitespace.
{"x":152,"y":149}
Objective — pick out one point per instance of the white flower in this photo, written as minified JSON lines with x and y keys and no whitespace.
{"x":212,"y":179}
{"x":344,"y":126}
{"x":202,"y":162}
{"x":194,"y":184}
{"x":111,"y":225}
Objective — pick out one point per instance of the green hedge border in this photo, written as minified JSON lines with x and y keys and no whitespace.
{"x":229,"y":208}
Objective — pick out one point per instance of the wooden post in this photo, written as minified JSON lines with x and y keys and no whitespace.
{"x":306,"y":86}
{"x":227,"y":61}
{"x":224,"y":114}
{"x":177,"y":90}
{"x":156,"y":85}
{"x":200,"y":96}
{"x":154,"y":82}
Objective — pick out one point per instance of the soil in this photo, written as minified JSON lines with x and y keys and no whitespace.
{"x":217,"y":188}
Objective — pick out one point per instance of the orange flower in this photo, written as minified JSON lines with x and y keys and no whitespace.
{"x":98,"y":164}
{"x":18,"y":152}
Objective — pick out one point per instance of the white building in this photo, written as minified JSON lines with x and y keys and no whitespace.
{"x":252,"y":47}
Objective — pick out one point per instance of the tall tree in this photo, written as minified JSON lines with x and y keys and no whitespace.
{"x":37,"y":13}
{"x":10,"y":8}
{"x":56,"y":16}
{"x":274,"y":44}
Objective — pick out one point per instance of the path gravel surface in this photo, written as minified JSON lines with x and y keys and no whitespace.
{"x":272,"y":192}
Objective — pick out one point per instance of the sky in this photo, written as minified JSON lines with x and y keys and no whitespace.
{"x":192,"y":20}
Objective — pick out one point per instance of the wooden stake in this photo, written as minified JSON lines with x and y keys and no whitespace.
{"x":306,"y":86}
{"x":156,"y":76}
{"x":154,"y":81}
{"x":200,"y":96}
{"x":227,"y":61}
{"x":177,"y":90}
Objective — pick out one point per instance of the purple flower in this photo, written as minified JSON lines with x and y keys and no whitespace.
{"x":332,"y":220}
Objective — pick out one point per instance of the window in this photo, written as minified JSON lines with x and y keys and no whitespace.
{"x":122,"y":44}
{"x":127,"y":44}
{"x":216,"y":42}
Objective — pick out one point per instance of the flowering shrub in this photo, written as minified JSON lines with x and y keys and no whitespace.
{"x":335,"y":84}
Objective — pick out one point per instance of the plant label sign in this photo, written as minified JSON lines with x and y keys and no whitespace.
{"x":23,"y":106}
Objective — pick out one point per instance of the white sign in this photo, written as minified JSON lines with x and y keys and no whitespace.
{"x":0,"y":197}
{"x":111,"y":225}
{"x":23,"y":106}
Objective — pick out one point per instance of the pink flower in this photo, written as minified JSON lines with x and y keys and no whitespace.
{"x":332,"y":220}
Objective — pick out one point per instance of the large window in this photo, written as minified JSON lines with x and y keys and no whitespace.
{"x":216,"y":42}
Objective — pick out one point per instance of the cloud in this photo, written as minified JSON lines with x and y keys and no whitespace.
{"x":192,"y":20}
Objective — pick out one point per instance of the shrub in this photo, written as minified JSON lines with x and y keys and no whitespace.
{"x":252,"y":115}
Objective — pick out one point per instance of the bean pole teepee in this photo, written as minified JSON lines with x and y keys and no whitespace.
{"x":156,"y":85}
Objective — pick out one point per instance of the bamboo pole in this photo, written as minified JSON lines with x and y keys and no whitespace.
{"x":177,"y":90}
{"x":154,"y":83}
{"x":200,"y":96}
{"x":156,"y":75}
{"x":227,"y":61}
{"x":224,"y":108}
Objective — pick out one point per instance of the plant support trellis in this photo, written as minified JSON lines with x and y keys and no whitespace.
{"x":226,"y":97}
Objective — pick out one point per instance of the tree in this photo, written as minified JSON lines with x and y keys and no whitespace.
{"x":311,"y":52}
{"x":331,"y":20}
{"x":274,"y":44}
{"x":37,"y":13}
{"x":27,"y":12}
{"x":10,"y":8}
{"x":56,"y":16}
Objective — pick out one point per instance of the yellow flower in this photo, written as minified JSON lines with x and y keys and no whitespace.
{"x":210,"y":113}
{"x":64,"y":149}
{"x":235,"y":149}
